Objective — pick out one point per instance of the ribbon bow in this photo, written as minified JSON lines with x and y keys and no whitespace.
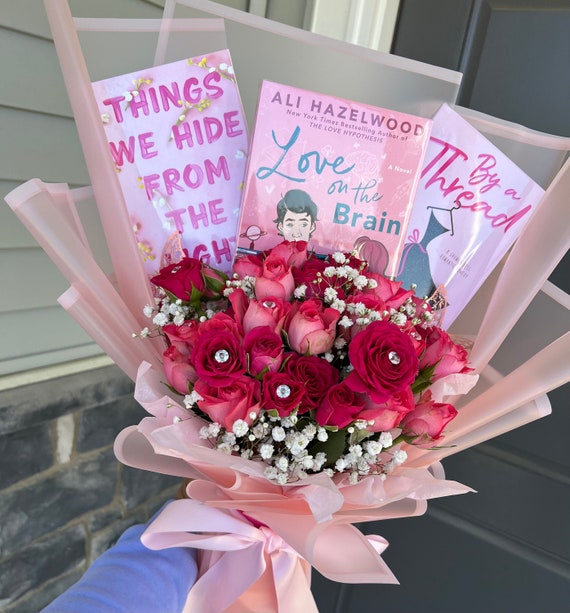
{"x":238,"y":558}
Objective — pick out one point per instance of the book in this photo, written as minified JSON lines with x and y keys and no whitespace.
{"x":338,"y":174}
{"x":471,"y":205}
{"x":178,"y":138}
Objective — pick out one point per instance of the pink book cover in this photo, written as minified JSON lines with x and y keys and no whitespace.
{"x":339,"y":174}
{"x":471,"y":205}
{"x":178,"y":138}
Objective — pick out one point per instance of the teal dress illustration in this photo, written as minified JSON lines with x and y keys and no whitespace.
{"x":415,"y":265}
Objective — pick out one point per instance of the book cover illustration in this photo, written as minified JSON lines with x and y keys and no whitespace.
{"x":338,"y":174}
{"x":178,"y":138}
{"x":471,"y":204}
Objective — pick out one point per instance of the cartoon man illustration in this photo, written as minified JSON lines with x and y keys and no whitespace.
{"x":296,"y":216}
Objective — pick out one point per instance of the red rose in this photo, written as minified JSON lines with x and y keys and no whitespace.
{"x":448,"y":357}
{"x":311,"y":328}
{"x":309,"y":273}
{"x":280,"y":392}
{"x":389,"y":414}
{"x":429,"y":418}
{"x":226,"y":404}
{"x":384,"y":361}
{"x":221,"y":322}
{"x":178,"y":370}
{"x":276,"y":279}
{"x":182,"y":278}
{"x":264,"y":349}
{"x":339,"y":407}
{"x":218,"y":355}
{"x":316,"y":375}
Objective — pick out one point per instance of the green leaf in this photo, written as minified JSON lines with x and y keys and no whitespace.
{"x":423,"y":379}
{"x":333,"y":447}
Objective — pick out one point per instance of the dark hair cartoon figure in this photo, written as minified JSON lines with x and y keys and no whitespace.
{"x":296,"y":216}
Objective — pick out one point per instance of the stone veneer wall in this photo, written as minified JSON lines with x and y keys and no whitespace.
{"x":64,"y":498}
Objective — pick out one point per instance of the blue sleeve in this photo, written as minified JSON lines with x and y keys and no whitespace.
{"x":129,"y":578}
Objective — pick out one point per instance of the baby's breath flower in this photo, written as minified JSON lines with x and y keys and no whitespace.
{"x":148,"y":311}
{"x":339,"y":305}
{"x":300,"y":291}
{"x":400,"y":456}
{"x":266,"y":451}
{"x":281,"y":462}
{"x":340,"y":465}
{"x":160,"y":319}
{"x":278,"y":434}
{"x":339,"y":342}
{"x":360,"y":282}
{"x":339,"y":257}
{"x":399,"y":319}
{"x":373,"y":447}
{"x":330,"y":294}
{"x":240,"y":427}
{"x":385,"y":439}
{"x":345,"y":322}
{"x":191,"y":399}
{"x":271,"y":472}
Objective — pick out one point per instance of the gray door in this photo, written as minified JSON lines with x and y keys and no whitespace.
{"x":505,"y":549}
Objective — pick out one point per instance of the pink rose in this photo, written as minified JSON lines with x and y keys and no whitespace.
{"x":339,"y":407}
{"x":226,"y":404}
{"x":384,"y":361}
{"x":182,"y":279}
{"x":276,"y":279}
{"x":388,"y":415}
{"x":429,"y":418}
{"x":248,"y":266}
{"x":311,"y":328}
{"x":182,"y":337}
{"x":178,"y":370}
{"x":280,"y":392}
{"x":448,"y":357}
{"x":316,"y":375}
{"x":218,"y":355}
{"x":293,"y":252}
{"x":269,"y":311}
{"x":264,"y":349}
{"x":215,"y":281}
{"x":391,"y":292}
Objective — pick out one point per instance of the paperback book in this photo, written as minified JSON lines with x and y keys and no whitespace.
{"x":338,"y":174}
{"x":178,"y":138}
{"x":471,"y":205}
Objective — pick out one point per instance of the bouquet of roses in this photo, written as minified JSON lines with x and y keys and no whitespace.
{"x":305,"y":364}
{"x":293,"y":389}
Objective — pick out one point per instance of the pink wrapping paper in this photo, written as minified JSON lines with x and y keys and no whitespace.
{"x":262,"y":537}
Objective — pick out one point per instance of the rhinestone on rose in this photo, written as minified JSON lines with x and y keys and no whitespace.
{"x":221,"y":356}
{"x":394,"y":358}
{"x":268,"y":304}
{"x":283,"y":391}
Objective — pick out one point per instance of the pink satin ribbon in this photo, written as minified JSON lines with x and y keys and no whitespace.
{"x":239,"y":556}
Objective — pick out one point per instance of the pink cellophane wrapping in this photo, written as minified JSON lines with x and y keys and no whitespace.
{"x":263,"y":538}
